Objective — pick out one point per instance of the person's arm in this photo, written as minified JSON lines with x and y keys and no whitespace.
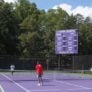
{"x":42,"y":70}
{"x":36,"y":68}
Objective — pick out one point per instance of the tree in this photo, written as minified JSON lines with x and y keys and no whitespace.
{"x":85,"y":38}
{"x":22,"y":9}
{"x":71,"y":22}
{"x":54,"y":20}
{"x":8,"y":30}
{"x":30,"y":36}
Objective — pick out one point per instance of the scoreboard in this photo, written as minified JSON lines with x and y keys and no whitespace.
{"x":66,"y":41}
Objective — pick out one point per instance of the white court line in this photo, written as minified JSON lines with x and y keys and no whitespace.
{"x":52,"y":90}
{"x":2,"y":88}
{"x":72,"y":84}
{"x":26,"y":90}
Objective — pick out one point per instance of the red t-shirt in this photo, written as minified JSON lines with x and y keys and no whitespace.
{"x":39,"y":69}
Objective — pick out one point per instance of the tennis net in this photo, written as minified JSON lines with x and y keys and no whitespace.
{"x":18,"y":75}
{"x":30,"y":75}
{"x":69,"y":75}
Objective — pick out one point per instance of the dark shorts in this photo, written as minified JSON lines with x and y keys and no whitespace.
{"x":39,"y":75}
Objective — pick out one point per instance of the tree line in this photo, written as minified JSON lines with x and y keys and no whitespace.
{"x":27,"y":31}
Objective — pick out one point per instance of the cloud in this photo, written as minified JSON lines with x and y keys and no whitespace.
{"x":83,"y":10}
{"x":65,"y":7}
{"x":9,"y":1}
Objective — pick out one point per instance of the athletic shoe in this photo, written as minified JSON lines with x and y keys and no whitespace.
{"x":39,"y":84}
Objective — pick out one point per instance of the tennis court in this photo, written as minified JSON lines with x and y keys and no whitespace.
{"x":53,"y":81}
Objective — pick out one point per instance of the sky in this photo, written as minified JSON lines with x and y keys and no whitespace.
{"x":83,"y":7}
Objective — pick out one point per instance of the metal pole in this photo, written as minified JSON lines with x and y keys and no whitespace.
{"x":73,"y":62}
{"x":47,"y":61}
{"x":59,"y":62}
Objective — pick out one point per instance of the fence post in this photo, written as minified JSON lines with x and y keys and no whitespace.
{"x":47,"y":62}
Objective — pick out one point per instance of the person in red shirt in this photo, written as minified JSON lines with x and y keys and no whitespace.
{"x":39,"y":72}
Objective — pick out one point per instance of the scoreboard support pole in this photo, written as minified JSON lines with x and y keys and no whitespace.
{"x":73,"y":64}
{"x":59,"y":61}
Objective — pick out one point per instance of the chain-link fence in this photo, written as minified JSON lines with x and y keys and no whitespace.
{"x":60,"y":62}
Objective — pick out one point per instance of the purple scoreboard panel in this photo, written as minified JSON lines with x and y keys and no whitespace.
{"x":66,"y":41}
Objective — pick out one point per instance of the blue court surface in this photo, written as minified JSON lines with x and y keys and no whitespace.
{"x":27,"y":82}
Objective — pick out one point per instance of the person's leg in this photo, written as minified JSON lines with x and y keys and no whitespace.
{"x":40,"y":79}
{"x":12,"y":72}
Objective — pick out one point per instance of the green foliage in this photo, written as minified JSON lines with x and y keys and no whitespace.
{"x":85,"y":39}
{"x":8,"y":30}
{"x":27,"y":31}
{"x":31,"y":44}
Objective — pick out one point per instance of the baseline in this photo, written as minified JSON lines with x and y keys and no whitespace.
{"x":1,"y":88}
{"x":52,"y":90}
{"x":16,"y":83}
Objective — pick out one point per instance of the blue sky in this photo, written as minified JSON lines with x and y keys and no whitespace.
{"x":83,"y":7}
{"x":47,"y":4}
